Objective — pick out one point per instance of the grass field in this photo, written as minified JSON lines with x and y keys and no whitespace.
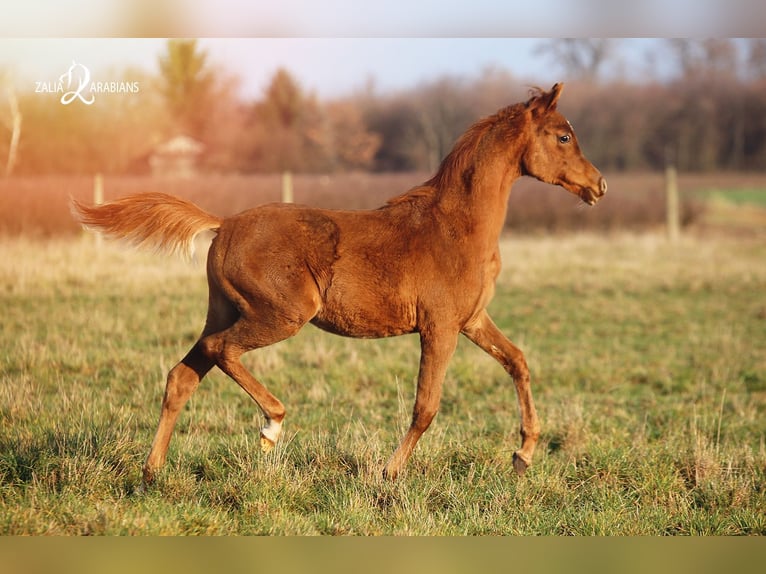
{"x":649,"y":371}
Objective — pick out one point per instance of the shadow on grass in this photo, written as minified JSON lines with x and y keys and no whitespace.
{"x":94,"y":457}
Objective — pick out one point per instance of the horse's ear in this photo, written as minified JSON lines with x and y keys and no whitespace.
{"x":546,"y":101}
{"x":553,"y":95}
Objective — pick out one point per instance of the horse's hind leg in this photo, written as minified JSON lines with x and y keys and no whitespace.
{"x":486,"y":335}
{"x":181,"y":383}
{"x":227,"y":353}
{"x":226,"y":347}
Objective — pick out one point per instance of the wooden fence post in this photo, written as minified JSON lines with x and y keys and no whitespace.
{"x":672,"y":213}
{"x":287,"y":187}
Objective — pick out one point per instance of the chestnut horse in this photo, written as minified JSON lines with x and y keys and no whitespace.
{"x":426,"y":263}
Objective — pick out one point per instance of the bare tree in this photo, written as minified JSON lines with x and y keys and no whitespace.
{"x":711,"y":58}
{"x":756,"y":57}
{"x":353,"y":145}
{"x":721,"y":57}
{"x":443,"y":112}
{"x":583,"y":58}
{"x":12,"y":122}
{"x":685,"y":52}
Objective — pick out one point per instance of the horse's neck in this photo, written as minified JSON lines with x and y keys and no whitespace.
{"x":477,"y":198}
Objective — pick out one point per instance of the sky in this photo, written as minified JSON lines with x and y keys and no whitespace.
{"x":329,"y":67}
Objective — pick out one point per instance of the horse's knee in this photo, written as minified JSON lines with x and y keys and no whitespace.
{"x":516,"y":366}
{"x":210,"y":346}
{"x":218,"y":350}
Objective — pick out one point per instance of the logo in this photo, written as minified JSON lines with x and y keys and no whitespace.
{"x":76,"y":85}
{"x":82,"y":75}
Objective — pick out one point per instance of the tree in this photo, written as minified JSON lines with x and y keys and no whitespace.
{"x":756,"y":57}
{"x":288,"y":129}
{"x":353,"y":146}
{"x":418,"y":127}
{"x":187,"y":85}
{"x":583,"y":58}
{"x":113,"y":136}
{"x":13,"y":124}
{"x":284,"y":103}
{"x":10,"y":119}
{"x":444,"y":112}
{"x":712,"y":58}
{"x":227,"y":144}
{"x":721,"y":57}
{"x":707,"y":69}
{"x":392,"y":117}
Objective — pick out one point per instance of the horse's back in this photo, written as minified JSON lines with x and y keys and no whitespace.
{"x":353,"y":268}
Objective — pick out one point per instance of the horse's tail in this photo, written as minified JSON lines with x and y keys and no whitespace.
{"x":156,"y":220}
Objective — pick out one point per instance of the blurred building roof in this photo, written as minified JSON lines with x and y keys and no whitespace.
{"x":180,"y":145}
{"x":176,"y":157}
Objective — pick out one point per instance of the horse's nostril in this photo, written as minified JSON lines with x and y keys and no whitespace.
{"x":602,"y":186}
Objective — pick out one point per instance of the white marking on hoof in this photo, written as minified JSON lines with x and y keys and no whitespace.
{"x":269,"y":435}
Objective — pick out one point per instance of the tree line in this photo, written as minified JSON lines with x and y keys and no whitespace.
{"x":710,"y":115}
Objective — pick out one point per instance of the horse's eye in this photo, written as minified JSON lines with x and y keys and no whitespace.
{"x":565,"y":138}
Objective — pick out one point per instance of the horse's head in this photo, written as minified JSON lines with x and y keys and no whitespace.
{"x":552,"y":154}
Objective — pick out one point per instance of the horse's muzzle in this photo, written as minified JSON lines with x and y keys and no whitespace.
{"x":592,"y":195}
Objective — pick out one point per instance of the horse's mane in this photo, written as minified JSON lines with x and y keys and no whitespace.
{"x":458,"y":160}
{"x":417,"y":193}
{"x":463,"y":153}
{"x":452,"y":165}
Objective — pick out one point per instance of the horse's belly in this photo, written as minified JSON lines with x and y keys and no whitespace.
{"x":382,"y":319}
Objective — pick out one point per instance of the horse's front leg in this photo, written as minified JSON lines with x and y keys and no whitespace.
{"x":437,"y":347}
{"x":484,"y":333}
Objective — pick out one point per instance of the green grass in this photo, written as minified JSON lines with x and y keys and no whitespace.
{"x":737,"y":196}
{"x":649,"y":371}
{"x":735,"y":210}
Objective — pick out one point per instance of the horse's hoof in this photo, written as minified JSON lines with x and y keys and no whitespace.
{"x":147,"y":478}
{"x":389,"y":475}
{"x":519,"y":465}
{"x":266,"y":445}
